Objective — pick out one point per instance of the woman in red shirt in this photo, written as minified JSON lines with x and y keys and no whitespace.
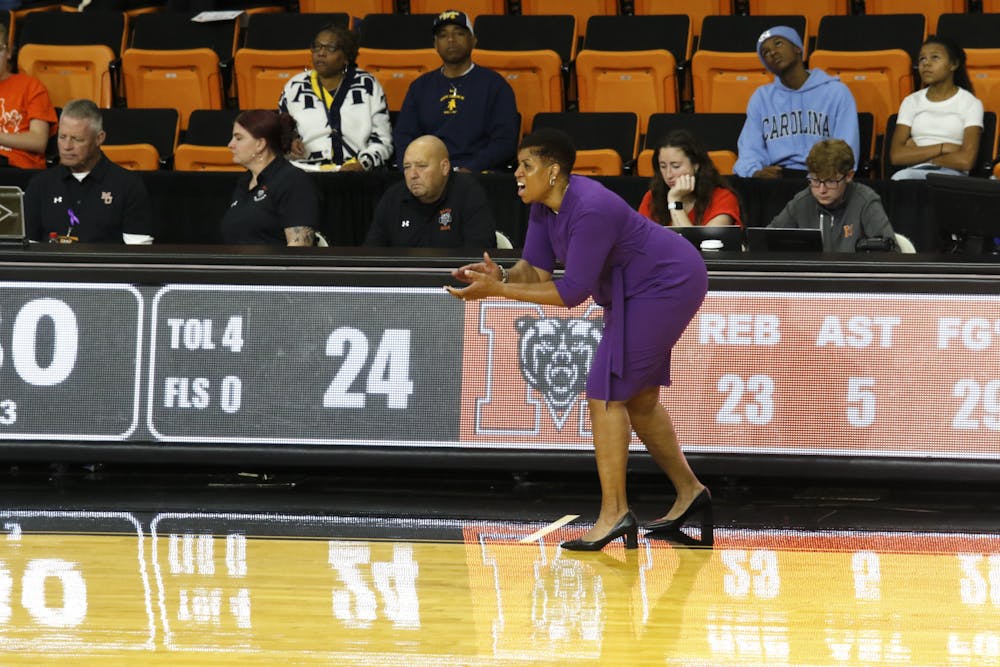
{"x":688,"y":190}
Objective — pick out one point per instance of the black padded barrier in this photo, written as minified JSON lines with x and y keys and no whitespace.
{"x":201,"y":354}
{"x":188,"y":206}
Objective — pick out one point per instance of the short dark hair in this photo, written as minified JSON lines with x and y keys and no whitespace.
{"x":346,"y":40}
{"x":552,"y":144}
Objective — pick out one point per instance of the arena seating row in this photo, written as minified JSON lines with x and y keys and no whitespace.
{"x":608,"y":143}
{"x":146,"y":59}
{"x":188,"y":206}
{"x":642,"y":64}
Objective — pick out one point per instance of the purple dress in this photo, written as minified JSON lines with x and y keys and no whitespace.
{"x":649,"y":280}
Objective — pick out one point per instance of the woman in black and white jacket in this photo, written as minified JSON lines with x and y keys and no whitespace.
{"x":340,"y":110}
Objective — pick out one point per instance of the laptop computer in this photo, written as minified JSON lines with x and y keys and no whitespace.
{"x":731,"y":237}
{"x":11,"y":214}
{"x":784,"y":239}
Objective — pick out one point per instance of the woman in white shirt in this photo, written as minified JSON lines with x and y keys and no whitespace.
{"x":938,"y":128}
{"x":340,"y":109}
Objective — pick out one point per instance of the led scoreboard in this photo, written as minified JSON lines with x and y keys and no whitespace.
{"x":757,"y":372}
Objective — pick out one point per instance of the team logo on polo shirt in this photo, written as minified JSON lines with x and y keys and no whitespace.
{"x":107,"y":198}
{"x":261,"y":194}
{"x":444,"y":220}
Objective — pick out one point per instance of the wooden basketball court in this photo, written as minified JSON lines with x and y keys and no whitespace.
{"x":192,"y":588}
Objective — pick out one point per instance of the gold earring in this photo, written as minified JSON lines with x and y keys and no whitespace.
{"x":552,"y":180}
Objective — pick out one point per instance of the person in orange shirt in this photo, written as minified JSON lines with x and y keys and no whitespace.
{"x":686,"y":188}
{"x":27,"y":117}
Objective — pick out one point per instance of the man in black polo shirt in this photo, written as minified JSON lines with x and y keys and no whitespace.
{"x":87,"y":196}
{"x":433,"y":207}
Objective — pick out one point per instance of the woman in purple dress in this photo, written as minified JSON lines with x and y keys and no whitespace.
{"x":649,"y":280}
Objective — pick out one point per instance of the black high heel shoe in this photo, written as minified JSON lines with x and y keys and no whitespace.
{"x":627,"y":527}
{"x":701,"y":503}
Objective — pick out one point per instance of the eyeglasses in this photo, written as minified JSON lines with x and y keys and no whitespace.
{"x":319,"y":47}
{"x":828,"y":182}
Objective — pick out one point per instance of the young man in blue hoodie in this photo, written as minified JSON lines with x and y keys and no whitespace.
{"x":785,"y":118}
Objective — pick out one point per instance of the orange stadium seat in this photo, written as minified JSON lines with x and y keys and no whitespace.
{"x":262,"y":75}
{"x":135,"y":157}
{"x":396,"y":69}
{"x":535,"y":76}
{"x":873,"y":55}
{"x":204,"y":147}
{"x":75,"y":55}
{"x":188,"y":78}
{"x":879,"y":80}
{"x":643,"y":82}
{"x":70,"y":72}
{"x":189,"y":157}
{"x":143,"y":139}
{"x":629,"y":63}
{"x":177,"y":61}
{"x":724,"y":82}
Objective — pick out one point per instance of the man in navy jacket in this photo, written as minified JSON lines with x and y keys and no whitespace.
{"x":471,"y":108}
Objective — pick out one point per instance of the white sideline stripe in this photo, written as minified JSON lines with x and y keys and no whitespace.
{"x":555,"y":525}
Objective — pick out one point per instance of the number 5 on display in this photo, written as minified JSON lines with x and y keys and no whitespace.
{"x":859,"y":392}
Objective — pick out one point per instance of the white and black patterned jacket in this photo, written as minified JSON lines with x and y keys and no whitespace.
{"x":364,"y":133}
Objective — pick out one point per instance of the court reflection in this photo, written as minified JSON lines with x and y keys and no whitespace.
{"x":265,"y":589}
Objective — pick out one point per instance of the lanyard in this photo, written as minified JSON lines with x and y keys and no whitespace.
{"x":332,"y":104}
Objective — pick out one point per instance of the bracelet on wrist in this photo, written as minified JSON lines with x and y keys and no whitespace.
{"x":504,"y":274}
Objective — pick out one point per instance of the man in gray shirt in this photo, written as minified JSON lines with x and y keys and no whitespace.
{"x":843,"y":210}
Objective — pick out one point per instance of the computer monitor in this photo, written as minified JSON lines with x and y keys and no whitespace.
{"x":967,"y":209}
{"x":731,"y":237}
{"x":784,"y":239}
{"x":11,"y":214}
